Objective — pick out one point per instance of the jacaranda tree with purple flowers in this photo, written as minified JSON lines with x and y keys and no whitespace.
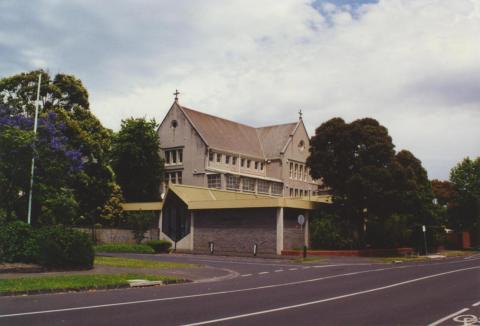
{"x":73,"y":178}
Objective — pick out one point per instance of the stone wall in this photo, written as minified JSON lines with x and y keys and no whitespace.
{"x":235,"y":231}
{"x":111,"y":235}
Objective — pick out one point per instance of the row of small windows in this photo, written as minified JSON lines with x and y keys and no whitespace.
{"x":229,"y":159}
{"x":299,"y":192}
{"x":173,"y":177}
{"x":174,"y":156}
{"x":245,"y":184}
{"x":299,"y":171}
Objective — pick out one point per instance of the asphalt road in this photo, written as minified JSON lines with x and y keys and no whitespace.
{"x":275,"y":292}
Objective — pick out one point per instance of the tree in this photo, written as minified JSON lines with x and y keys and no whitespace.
{"x":371,"y":184}
{"x":465,"y":176}
{"x":136,"y":161}
{"x":56,"y":162}
{"x":63,"y":91}
{"x":65,"y":98}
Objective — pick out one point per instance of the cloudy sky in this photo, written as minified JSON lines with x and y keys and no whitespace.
{"x":414,"y":65}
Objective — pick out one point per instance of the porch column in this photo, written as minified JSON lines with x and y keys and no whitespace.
{"x":279,"y":230}
{"x":307,"y":233}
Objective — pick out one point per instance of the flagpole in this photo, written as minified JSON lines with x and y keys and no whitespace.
{"x":29,"y":218}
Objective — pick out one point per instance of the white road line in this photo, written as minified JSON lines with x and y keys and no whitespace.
{"x":292,"y":269}
{"x":447,"y":317}
{"x":476,"y":304}
{"x":261,"y":273}
{"x":40,"y":312}
{"x":244,"y":275}
{"x":262,"y":312}
{"x":279,"y":270}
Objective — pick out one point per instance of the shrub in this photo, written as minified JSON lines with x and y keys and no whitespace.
{"x":159,"y":245}
{"x":16,"y":243}
{"x":125,"y":247}
{"x":140,"y":222}
{"x":328,"y":231}
{"x":64,"y":248}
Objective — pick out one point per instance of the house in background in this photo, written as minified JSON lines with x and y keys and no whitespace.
{"x":235,"y":189}
{"x":207,"y":151}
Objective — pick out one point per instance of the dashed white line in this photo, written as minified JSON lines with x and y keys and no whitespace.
{"x":292,"y":269}
{"x":306,"y":267}
{"x":476,"y":304}
{"x":244,"y":275}
{"x":447,"y":317}
{"x":261,"y":273}
{"x":279,"y":270}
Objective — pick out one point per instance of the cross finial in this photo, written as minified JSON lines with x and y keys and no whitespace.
{"x":176,"y":95}
{"x":300,"y":114}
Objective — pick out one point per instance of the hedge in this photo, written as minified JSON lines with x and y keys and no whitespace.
{"x":160,"y":246}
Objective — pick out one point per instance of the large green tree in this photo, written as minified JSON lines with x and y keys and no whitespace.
{"x":372,"y":186}
{"x":136,"y":161}
{"x":465,"y":215}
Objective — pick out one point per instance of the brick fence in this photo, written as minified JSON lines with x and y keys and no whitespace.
{"x":356,"y":253}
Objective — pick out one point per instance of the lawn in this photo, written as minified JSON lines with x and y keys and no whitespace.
{"x":73,"y":282}
{"x":137,"y":263}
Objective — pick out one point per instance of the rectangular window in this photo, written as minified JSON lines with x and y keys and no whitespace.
{"x":233,"y":182}
{"x":179,"y":177}
{"x":263,"y":187}
{"x":256,"y":165}
{"x":234,"y":160}
{"x":219,"y":157}
{"x":296,"y":192}
{"x":242,"y":162}
{"x":174,"y":157}
{"x":167,"y":157}
{"x":249,"y":162}
{"x":210,"y":156}
{"x":291,"y":170}
{"x":173,"y":178}
{"x":227,"y":159}
{"x":261,"y":166}
{"x":180,"y":155}
{"x":291,"y":192}
{"x":248,"y":184}
{"x":300,"y":172}
{"x":295,"y":170}
{"x":214,"y":181}
{"x":277,"y":188}
{"x":307,"y":172}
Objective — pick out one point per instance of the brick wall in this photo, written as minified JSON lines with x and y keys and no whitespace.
{"x":111,"y":235}
{"x":235,"y":231}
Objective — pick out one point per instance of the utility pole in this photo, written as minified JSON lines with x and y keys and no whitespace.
{"x":29,"y":218}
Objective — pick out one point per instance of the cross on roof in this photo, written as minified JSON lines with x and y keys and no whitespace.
{"x":300,"y":114}
{"x":176,"y":95}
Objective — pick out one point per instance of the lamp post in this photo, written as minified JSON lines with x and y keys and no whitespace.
{"x":29,"y":215}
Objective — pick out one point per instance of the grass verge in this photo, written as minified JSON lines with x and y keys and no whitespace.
{"x":73,"y":282}
{"x":137,"y":263}
{"x":309,"y":260}
{"x":125,"y":248}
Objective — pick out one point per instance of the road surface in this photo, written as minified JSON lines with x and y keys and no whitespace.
{"x":275,"y":292}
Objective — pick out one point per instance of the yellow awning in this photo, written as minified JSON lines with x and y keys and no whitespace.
{"x":208,"y":198}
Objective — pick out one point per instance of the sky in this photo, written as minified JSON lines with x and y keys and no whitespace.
{"x":414,"y":65}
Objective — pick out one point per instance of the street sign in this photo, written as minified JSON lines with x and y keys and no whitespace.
{"x":301,"y":219}
{"x":424,"y":229}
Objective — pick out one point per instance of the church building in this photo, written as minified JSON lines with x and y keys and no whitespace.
{"x":232,"y":188}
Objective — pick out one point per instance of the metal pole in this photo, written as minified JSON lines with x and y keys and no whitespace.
{"x":29,"y":216}
{"x":424,"y":229}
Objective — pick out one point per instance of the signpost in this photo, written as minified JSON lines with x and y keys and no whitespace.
{"x":301,"y":221}
{"x":424,"y":229}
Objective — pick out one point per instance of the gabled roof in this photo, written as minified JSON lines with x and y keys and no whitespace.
{"x":224,"y":134}
{"x":230,"y":136}
{"x":274,"y":138}
{"x":208,"y":198}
